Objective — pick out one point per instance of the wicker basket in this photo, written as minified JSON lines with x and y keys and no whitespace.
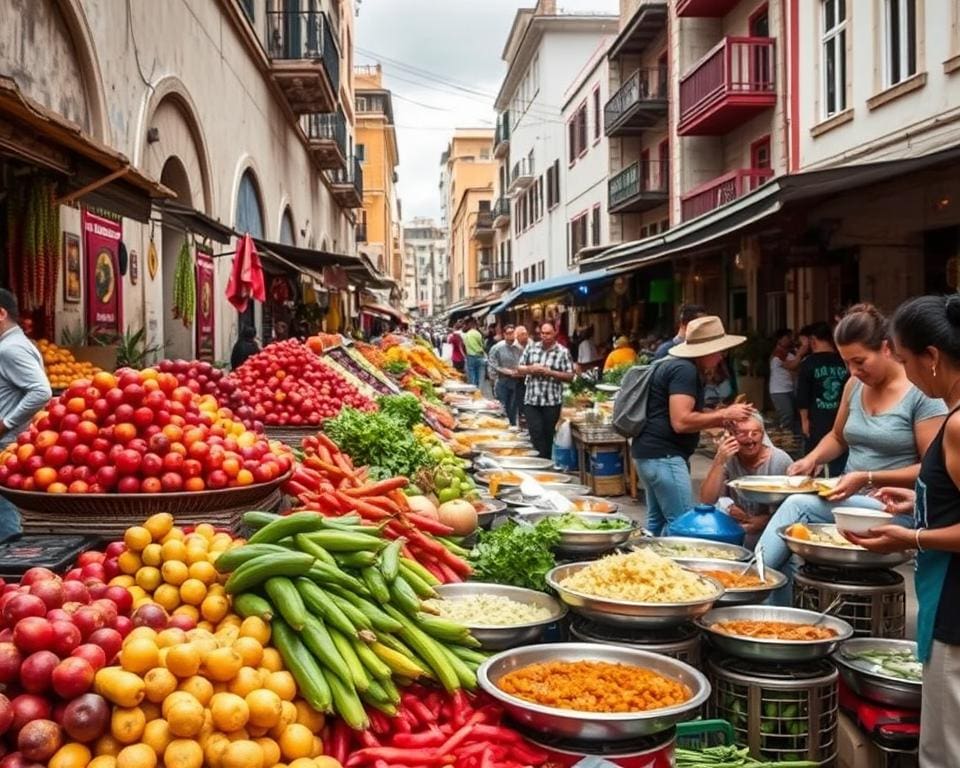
{"x":290,"y":435}
{"x":112,"y":513}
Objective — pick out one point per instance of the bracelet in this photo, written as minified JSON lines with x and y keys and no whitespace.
{"x":917,"y":538}
{"x":870,"y":478}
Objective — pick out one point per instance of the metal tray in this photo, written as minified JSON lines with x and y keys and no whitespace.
{"x":518,"y":462}
{"x":761,"y":649}
{"x":845,"y":557}
{"x":738,"y":595}
{"x":734,"y":551}
{"x":870,"y":681}
{"x":496,"y":637}
{"x":490,"y":511}
{"x":592,"y":726}
{"x":513,"y":498}
{"x":585,"y":542}
{"x":742,"y":486}
{"x":627,"y":613}
{"x":549,"y":478}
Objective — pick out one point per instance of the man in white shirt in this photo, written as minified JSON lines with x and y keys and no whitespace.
{"x":784,"y":363}
{"x":587,"y":355}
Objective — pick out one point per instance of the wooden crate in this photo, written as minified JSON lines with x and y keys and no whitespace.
{"x":611,"y":485}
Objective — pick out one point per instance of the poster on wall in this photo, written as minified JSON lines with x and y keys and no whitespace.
{"x":205,"y":311}
{"x":101,"y":238}
{"x":72,"y":273}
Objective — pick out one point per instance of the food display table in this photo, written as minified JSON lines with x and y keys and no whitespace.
{"x":587,"y":437}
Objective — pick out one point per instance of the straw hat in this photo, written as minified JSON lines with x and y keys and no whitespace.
{"x":706,"y":336}
{"x":622,"y":341}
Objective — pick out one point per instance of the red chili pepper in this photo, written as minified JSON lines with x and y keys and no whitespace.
{"x":418,"y":740}
{"x":461,"y":735}
{"x":340,"y":741}
{"x":368,"y":511}
{"x":496,"y":733}
{"x":368,"y":739}
{"x":379,"y":722}
{"x":385,"y":502}
{"x":526,"y":754}
{"x":395,"y":755}
{"x":293,"y":488}
{"x":380,"y":487}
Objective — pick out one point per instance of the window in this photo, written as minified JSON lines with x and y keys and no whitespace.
{"x":596,"y":113}
{"x":553,"y":185}
{"x":643,"y":231}
{"x":834,"y":47}
{"x":526,"y":274}
{"x":899,"y":40}
{"x":578,"y":235}
{"x":664,"y":225}
{"x":550,"y":200}
{"x":543,"y":269}
{"x":577,"y":134}
{"x":485,"y":153}
{"x":539,"y":198}
{"x":248,"y":8}
{"x":362,"y":104}
{"x":361,"y":152}
{"x":595,"y":225}
{"x":484,"y":206}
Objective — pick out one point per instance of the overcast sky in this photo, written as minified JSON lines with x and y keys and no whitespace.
{"x":441,"y":60}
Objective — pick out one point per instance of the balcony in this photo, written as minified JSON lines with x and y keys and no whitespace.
{"x":489,"y":273}
{"x":521,"y":176}
{"x":501,"y":212}
{"x":327,"y":139}
{"x":641,"y":186}
{"x":347,"y":184}
{"x":304,"y":59}
{"x":501,"y":141}
{"x":483,"y":226}
{"x":722,"y":190}
{"x":711,"y":9}
{"x":644,"y":27}
{"x":731,"y":84}
{"x":639,"y":104}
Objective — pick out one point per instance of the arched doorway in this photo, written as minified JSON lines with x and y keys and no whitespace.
{"x":249,"y":219}
{"x":287,"y":237}
{"x":177,"y":338}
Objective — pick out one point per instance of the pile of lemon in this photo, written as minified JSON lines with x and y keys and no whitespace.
{"x":62,"y":367}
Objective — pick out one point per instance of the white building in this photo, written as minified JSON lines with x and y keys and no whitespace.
{"x":425,"y":245}
{"x":546,"y":51}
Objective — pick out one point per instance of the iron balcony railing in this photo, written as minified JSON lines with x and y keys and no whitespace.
{"x":490,"y":272}
{"x":361,"y":232}
{"x":330,"y":126}
{"x":352,"y":175}
{"x":647,"y":85}
{"x":644,"y":177}
{"x":501,"y":207}
{"x":295,"y":35}
{"x":722,"y":190}
{"x":503,"y":129}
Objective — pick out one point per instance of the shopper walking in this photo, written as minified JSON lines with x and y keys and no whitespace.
{"x":546,"y":366}
{"x":784,"y":363}
{"x":926,"y":337}
{"x":675,"y":417}
{"x":820,"y":381}
{"x":24,"y":390}
{"x":473,"y":347}
{"x":503,"y":360}
{"x":245,"y":347}
{"x":457,"y":355}
{"x":688,"y":312}
{"x":622,"y":354}
{"x":521,"y":340}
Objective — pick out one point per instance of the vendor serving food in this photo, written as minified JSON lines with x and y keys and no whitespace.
{"x":743,"y":453}
{"x":885,"y":423}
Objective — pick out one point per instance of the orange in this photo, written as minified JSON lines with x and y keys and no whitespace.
{"x":126,"y":724}
{"x":283,"y":684}
{"x":158,"y":684}
{"x":204,"y":571}
{"x":183,"y":659}
{"x":152,"y":555}
{"x":317,"y":746}
{"x":44,"y":477}
{"x":168,"y":596}
{"x":214,"y":607}
{"x":308,"y":716}
{"x":137,"y":756}
{"x":103,"y":761}
{"x":104,"y":380}
{"x":199,"y":687}
{"x":174,"y":572}
{"x":173,"y":549}
{"x":256,"y":628}
{"x":150,"y":710}
{"x":230,"y":712}
{"x":183,"y":753}
{"x":272,"y":660}
{"x":159,"y":524}
{"x":323,"y":761}
{"x":123,"y":580}
{"x":187,"y":610}
{"x":170,"y":637}
{"x":129,"y":562}
{"x":192,"y":591}
{"x":148,"y":578}
{"x":70,"y":756}
{"x":139,"y":633}
{"x":227,"y":634}
{"x":139,"y":655}
{"x":119,"y":686}
{"x":246,"y":681}
{"x":271,"y":750}
{"x":185,"y":717}
{"x":240,"y":734}
{"x":224,"y":663}
{"x":250,"y":651}
{"x":296,"y":741}
{"x":242,"y":754}
{"x":288,"y":716}
{"x":156,"y":735}
{"x":214,"y":748}
{"x":799,"y":531}
{"x":266,"y":708}
{"x":244,"y":477}
{"x":137,"y":538}
{"x":107,"y":745}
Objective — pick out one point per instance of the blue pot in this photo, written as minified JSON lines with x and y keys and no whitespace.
{"x":705,"y":521}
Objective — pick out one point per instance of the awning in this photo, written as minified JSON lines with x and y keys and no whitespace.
{"x":309,"y":258}
{"x":192,"y":220}
{"x":95,"y":173}
{"x":476,"y":307}
{"x":385,"y":311}
{"x":363,"y":273}
{"x":552,"y":286}
{"x":765,"y":201}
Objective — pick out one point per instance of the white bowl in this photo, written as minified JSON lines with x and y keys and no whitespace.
{"x":859,"y":519}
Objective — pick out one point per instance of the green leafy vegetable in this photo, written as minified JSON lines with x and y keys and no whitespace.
{"x":405,"y":408}
{"x":516,"y":554}
{"x":615,"y":375}
{"x":396,"y":367}
{"x":729,"y":756}
{"x":573,"y":522}
{"x":380,"y":440}
{"x":896,"y":663}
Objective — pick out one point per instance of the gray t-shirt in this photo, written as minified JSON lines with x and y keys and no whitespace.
{"x":886,"y":440}
{"x":776,"y":464}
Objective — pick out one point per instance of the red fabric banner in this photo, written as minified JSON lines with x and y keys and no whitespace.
{"x":104,"y":285}
{"x":205,"y":309}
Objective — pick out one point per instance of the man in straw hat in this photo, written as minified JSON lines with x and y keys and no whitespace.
{"x":675,"y":417}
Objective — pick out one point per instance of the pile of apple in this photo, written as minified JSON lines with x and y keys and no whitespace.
{"x":196,"y":375}
{"x":137,"y":432}
{"x":287,"y":384}
{"x":56,"y":633}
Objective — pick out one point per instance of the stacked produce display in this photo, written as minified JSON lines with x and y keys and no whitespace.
{"x":61,"y":366}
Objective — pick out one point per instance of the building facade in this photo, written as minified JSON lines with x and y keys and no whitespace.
{"x":468,"y":178}
{"x":425,"y":244}
{"x":251,"y":128}
{"x":546,"y":51}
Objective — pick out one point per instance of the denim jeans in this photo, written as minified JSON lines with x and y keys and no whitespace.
{"x":506,"y":392}
{"x":9,"y":521}
{"x":785,"y":405}
{"x":668,"y":488}
{"x":475,"y":369}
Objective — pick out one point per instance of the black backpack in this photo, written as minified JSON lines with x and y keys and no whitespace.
{"x":630,"y":406}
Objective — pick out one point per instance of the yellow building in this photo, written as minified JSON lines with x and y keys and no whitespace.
{"x":469,"y":176}
{"x":376,"y":147}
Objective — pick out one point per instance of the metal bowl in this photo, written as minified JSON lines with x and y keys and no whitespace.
{"x":585,"y":542}
{"x":512,"y":496}
{"x":489,"y":510}
{"x":627,"y":613}
{"x":845,"y":557}
{"x":689,"y":548}
{"x":761,"y":649}
{"x":595,"y":504}
{"x":737,"y":595}
{"x":549,"y":478}
{"x":870,"y":681}
{"x":742,"y":486}
{"x":497,"y":637}
{"x":518,"y":462}
{"x":458,"y":386}
{"x":511,"y":442}
{"x":515,"y":452}
{"x":592,"y":726}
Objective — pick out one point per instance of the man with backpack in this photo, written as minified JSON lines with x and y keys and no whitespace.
{"x":661,"y":407}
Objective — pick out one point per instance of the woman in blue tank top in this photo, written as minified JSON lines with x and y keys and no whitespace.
{"x":885,"y":423}
{"x":926,"y":334}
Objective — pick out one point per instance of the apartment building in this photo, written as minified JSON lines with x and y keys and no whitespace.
{"x":242,"y":109}
{"x":426,"y":245}
{"x":378,"y":158}
{"x":546,"y":51}
{"x":468,"y":178}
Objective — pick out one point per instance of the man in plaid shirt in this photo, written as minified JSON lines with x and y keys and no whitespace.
{"x":546,"y":366}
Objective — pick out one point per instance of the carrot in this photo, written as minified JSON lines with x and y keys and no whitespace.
{"x":379,"y":488}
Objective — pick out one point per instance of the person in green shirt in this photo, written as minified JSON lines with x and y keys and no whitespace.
{"x":476,"y":360}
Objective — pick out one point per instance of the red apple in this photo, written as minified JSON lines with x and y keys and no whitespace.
{"x":37,"y":670}
{"x":72,"y":676}
{"x":33,"y":634}
{"x":66,"y":637}
{"x":93,"y":654}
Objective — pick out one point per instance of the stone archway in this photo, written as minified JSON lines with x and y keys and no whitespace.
{"x":178,"y":338}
